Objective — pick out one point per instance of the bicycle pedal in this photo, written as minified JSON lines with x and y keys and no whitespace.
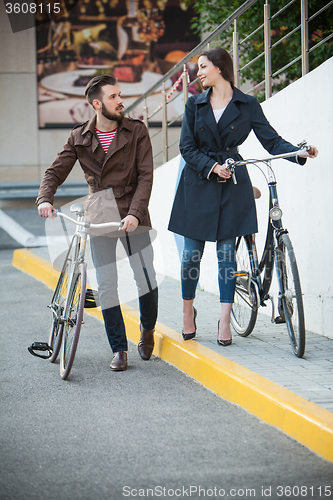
{"x":91,"y":299}
{"x":279,"y":320}
{"x":239,"y":274}
{"x":40,"y":346}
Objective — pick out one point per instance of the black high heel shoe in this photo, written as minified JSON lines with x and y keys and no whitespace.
{"x":223,"y":343}
{"x":188,"y":336}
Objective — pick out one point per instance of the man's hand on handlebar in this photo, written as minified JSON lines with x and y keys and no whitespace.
{"x":45,"y":209}
{"x":312,"y":152}
{"x":129,"y":223}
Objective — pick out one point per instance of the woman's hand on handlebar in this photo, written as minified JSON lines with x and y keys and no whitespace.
{"x":222,"y":171}
{"x":45,"y":209}
{"x":310,"y":153}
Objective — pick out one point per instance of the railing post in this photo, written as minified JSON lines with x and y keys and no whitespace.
{"x":185,"y":87}
{"x":305,"y":37}
{"x":164,"y":126}
{"x":268,"y":60}
{"x":145,"y":114}
{"x":235,"y":40}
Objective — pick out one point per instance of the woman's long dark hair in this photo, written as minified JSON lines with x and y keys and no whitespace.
{"x":222,"y":60}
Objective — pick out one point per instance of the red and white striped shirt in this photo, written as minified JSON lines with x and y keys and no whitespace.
{"x":105,"y":138}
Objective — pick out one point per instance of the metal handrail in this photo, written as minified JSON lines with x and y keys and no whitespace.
{"x":262,"y":25}
{"x":286,"y":36}
{"x":283,"y":9}
{"x":268,"y":46}
{"x":321,"y":42}
{"x":179,"y":66}
{"x":320,"y":11}
{"x":305,"y":52}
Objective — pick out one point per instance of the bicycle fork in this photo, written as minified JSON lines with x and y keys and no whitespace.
{"x":266,"y":266}
{"x":79,"y":252}
{"x":275,"y":214}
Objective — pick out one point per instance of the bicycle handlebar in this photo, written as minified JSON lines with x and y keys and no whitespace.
{"x":231,"y":163}
{"x":235,"y":163}
{"x":87,"y":224}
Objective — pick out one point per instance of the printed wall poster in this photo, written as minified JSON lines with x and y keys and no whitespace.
{"x":137,"y":41}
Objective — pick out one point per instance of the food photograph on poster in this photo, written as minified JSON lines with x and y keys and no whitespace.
{"x":136,"y":41}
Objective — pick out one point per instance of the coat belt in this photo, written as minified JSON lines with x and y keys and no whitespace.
{"x":221,"y":155}
{"x":103,"y":193}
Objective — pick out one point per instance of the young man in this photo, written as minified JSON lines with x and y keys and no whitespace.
{"x":114,"y":152}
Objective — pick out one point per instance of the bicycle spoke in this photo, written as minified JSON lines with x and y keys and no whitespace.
{"x":73,"y":320}
{"x":244,"y":309}
{"x":57,"y":307}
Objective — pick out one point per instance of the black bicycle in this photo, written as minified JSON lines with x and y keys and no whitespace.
{"x":254,"y":277}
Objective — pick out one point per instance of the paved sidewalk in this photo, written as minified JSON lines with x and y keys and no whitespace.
{"x":266,"y":351}
{"x":103,"y":435}
{"x":259,"y":372}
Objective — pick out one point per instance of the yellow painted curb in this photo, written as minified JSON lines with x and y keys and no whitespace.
{"x":306,"y":422}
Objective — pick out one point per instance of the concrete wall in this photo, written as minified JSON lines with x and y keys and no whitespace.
{"x":25,"y":150}
{"x":304,"y":110}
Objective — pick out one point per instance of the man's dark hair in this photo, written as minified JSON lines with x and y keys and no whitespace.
{"x":94,"y":87}
{"x":222,"y":60}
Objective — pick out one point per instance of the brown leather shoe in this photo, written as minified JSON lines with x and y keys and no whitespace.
{"x":146,"y":344}
{"x":119,"y":361}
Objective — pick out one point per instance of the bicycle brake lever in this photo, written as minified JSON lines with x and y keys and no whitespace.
{"x":303,"y":145}
{"x":230,"y":166}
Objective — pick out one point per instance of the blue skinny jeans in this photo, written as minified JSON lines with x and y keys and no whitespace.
{"x":190,"y":268}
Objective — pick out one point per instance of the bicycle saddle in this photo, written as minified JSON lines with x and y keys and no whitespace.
{"x":77,"y":208}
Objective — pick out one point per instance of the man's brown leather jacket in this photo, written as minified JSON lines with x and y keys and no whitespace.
{"x":127,"y":167}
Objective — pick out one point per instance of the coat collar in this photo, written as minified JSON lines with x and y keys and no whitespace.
{"x":206,"y":112}
{"x":118,"y":142}
{"x":90,"y":126}
{"x":237,"y":95}
{"x":231,"y":112}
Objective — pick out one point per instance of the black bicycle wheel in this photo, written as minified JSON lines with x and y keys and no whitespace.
{"x":291,"y":294}
{"x":245,"y":307}
{"x":73,"y":320}
{"x":57,"y":303}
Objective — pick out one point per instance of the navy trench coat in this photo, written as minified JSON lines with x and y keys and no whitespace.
{"x":205,"y":209}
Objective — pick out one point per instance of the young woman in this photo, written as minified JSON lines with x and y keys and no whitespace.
{"x":208,"y":206}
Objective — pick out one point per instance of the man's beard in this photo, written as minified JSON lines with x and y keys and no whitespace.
{"x":110,"y":116}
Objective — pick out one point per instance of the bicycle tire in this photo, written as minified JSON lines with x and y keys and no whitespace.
{"x":55,"y":339}
{"x":73,"y":322}
{"x":244,"y":310}
{"x":291,"y":294}
{"x":57,"y":304}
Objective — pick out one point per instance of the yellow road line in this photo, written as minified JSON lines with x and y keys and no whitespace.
{"x":306,"y":422}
